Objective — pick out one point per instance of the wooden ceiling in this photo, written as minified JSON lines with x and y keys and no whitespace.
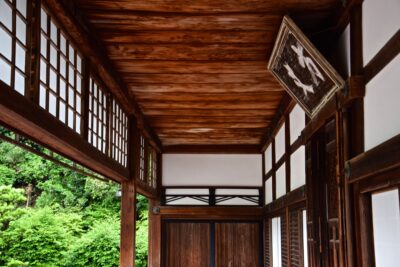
{"x":198,"y":68}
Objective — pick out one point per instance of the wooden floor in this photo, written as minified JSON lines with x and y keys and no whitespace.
{"x":198,"y":69}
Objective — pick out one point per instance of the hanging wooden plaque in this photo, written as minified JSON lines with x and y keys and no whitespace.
{"x":302,"y":70}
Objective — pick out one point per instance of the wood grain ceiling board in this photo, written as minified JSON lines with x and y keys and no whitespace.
{"x":198,"y":69}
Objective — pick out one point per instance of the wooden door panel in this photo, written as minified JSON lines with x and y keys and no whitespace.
{"x":237,"y":244}
{"x":187,"y":244}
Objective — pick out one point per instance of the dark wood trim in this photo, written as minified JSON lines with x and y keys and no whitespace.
{"x":387,"y":53}
{"x":366,"y":229}
{"x":382,"y":158}
{"x":212,"y":213}
{"x":128,"y":224}
{"x":36,"y":123}
{"x":212,"y":149}
{"x":291,"y":198}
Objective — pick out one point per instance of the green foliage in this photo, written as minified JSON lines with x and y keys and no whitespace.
{"x":10,"y":201}
{"x":40,"y":237}
{"x":98,"y":247}
{"x":72,"y":220}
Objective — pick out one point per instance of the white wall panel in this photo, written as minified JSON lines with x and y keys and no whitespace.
{"x":281,"y":181}
{"x":381,"y":105}
{"x":280,"y":143}
{"x":268,"y":158}
{"x":381,"y":20}
{"x":386,"y":227}
{"x":268,"y":191}
{"x":297,"y":123}
{"x":212,"y":169}
{"x":298,"y":168}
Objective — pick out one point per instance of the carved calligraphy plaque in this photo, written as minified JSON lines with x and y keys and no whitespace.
{"x":302,"y":70}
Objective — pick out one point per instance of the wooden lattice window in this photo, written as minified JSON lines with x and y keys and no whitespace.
{"x":60,"y":74}
{"x":119,"y":134}
{"x":141,"y":158}
{"x":13,"y":44}
{"x":98,"y":116}
{"x":151,"y":167}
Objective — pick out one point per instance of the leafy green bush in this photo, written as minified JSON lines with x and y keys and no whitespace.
{"x":39,"y":238}
{"x":98,"y":247}
{"x":10,"y":201}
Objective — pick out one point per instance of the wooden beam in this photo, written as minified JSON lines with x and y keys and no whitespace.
{"x":212,"y":149}
{"x":154,"y":258}
{"x":291,"y":198}
{"x":387,"y":53}
{"x":128,"y":224}
{"x":37,"y":124}
{"x":382,"y":158}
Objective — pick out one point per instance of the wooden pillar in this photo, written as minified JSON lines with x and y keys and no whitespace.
{"x":128,"y":224}
{"x":154,"y":258}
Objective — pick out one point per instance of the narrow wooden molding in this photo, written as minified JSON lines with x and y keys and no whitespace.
{"x":240,"y":213}
{"x":212,"y":149}
{"x":291,"y":198}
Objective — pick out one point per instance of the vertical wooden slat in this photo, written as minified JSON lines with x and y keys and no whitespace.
{"x":85,"y":99}
{"x":33,"y":54}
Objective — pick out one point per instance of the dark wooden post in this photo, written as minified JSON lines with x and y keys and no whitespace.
{"x":128,"y":224}
{"x":154,"y":258}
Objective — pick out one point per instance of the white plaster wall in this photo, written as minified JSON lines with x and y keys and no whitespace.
{"x":381,"y":105}
{"x":212,"y":169}
{"x":381,"y":20}
{"x":386,"y":227}
{"x":268,"y":158}
{"x":280,"y":143}
{"x":298,"y":168}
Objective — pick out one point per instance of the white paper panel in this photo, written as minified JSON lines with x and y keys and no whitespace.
{"x":381,"y":106}
{"x":386,"y":224}
{"x":281,"y":181}
{"x":236,"y":192}
{"x":187,"y":201}
{"x":297,"y":123}
{"x":381,"y":20}
{"x":268,"y":191}
{"x":276,"y":242}
{"x":212,"y":169}
{"x":186,"y":191}
{"x":280,"y":143}
{"x":298,"y":168}
{"x":268,"y":159}
{"x":237,"y":202}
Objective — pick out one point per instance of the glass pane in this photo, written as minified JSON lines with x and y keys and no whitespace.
{"x":42,"y":97}
{"x":62,"y":89}
{"x":386,"y":228}
{"x":53,"y":80}
{"x":70,"y":118}
{"x":297,"y":123}
{"x":19,"y":83}
{"x":21,"y":30}
{"x":20,"y":57}
{"x":5,"y":44}
{"x":61,"y":115}
{"x":43,"y":20}
{"x":268,"y":191}
{"x":53,"y":33}
{"x":43,"y":73}
{"x":21,"y":6}
{"x":63,"y":67}
{"x":5,"y":72}
{"x":71,"y":97}
{"x":5,"y":14}
{"x":71,"y":75}
{"x":281,"y":181}
{"x":298,"y":168}
{"x":78,"y":124}
{"x":305,"y":243}
{"x":53,"y":56}
{"x":280,"y":143}
{"x":52,"y":104}
{"x":43,"y":45}
{"x":276,"y":242}
{"x":63,"y":44}
{"x":268,"y":159}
